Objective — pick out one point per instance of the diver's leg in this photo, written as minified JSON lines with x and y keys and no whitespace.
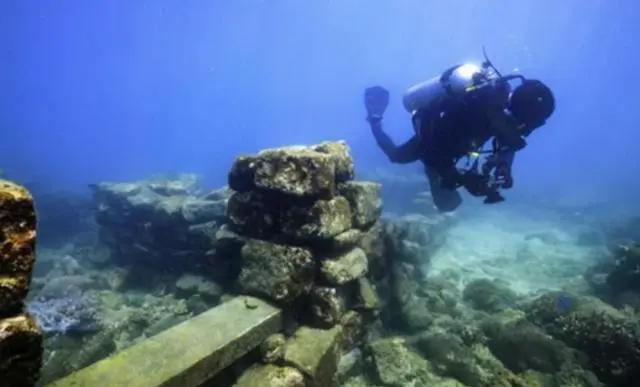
{"x":445,"y":200}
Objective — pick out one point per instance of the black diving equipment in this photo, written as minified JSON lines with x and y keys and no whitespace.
{"x":494,"y":173}
{"x":529,"y":104}
{"x":376,"y":100}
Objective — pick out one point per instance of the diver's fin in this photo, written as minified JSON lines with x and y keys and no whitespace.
{"x":445,"y":200}
{"x":376,"y":100}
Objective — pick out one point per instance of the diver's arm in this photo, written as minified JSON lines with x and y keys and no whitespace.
{"x":402,"y":154}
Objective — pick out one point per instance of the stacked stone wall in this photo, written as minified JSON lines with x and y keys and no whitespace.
{"x":20,"y":337}
{"x":312,"y":243}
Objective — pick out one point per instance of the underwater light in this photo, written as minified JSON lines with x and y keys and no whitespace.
{"x":467,"y":71}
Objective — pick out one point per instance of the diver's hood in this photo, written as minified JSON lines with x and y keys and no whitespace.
{"x":532,"y":103}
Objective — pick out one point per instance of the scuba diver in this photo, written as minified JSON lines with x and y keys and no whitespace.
{"x":454,"y":116}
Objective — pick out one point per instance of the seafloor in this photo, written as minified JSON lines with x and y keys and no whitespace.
{"x":468,"y":314}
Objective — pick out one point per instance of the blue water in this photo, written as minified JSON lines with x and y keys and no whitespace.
{"x":117,"y":90}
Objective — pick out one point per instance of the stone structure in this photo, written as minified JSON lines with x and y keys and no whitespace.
{"x":164,"y":223}
{"x":20,"y":337}
{"x":188,"y":354}
{"x":311,"y":235}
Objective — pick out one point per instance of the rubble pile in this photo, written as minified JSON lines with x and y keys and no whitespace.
{"x":311,"y":236}
{"x":164,"y":224}
{"x":20,"y":337}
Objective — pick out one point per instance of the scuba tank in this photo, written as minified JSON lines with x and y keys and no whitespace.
{"x":465,"y":83}
{"x":452,"y":83}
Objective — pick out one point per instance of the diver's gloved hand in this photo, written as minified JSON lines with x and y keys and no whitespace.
{"x":376,"y":100}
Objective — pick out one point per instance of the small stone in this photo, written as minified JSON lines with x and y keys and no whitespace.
{"x":272,"y":349}
{"x":21,"y":349}
{"x":327,"y":306}
{"x":365,"y":200}
{"x":272,"y":376}
{"x":278,"y":272}
{"x":315,"y":352}
{"x":367,"y":299}
{"x":325,"y":219}
{"x":250,"y":304}
{"x":346,"y":267}
{"x":17,"y":244}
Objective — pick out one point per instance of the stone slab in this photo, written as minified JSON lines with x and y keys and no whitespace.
{"x":187,"y":354}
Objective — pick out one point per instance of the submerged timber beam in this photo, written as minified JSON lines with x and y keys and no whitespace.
{"x":187,"y":354}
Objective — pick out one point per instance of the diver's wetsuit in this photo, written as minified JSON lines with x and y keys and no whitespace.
{"x":440,"y":140}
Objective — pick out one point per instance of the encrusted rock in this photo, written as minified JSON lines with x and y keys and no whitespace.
{"x":21,"y":351}
{"x":345,"y":267}
{"x":272,"y":349}
{"x":397,"y":366}
{"x":373,"y":244}
{"x":609,"y":337}
{"x":364,"y":198}
{"x":415,"y":238}
{"x":323,"y":220}
{"x":342,"y":157}
{"x":327,"y":306}
{"x":272,"y":376}
{"x":278,"y":272}
{"x":197,"y":210}
{"x":297,"y":171}
{"x":162,"y":224}
{"x":252,"y":213}
{"x":367,"y":298}
{"x":341,"y":242}
{"x":17,"y":244}
{"x":315,"y":352}
{"x":352,"y":329}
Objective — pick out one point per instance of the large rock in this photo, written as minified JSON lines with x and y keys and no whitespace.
{"x":324,"y":219}
{"x":610,"y":338}
{"x":364,"y":198}
{"x":415,"y":238}
{"x":398,"y":366}
{"x":21,"y":351}
{"x":366,"y":297}
{"x":297,"y":170}
{"x":266,"y":215}
{"x":625,"y":274}
{"x":373,"y":244}
{"x":17,"y":245}
{"x":343,"y":241}
{"x":255,"y":213}
{"x":279,"y":272}
{"x":162,"y":223}
{"x":345,"y":267}
{"x":316,"y":353}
